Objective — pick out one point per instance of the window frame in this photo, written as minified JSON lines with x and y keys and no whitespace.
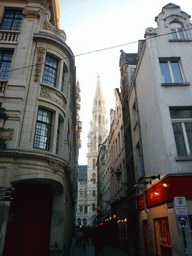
{"x":171,"y":72}
{"x":39,"y":131}
{"x":4,"y":52}
{"x":176,"y":33}
{"x":183,"y":122}
{"x":46,"y":79}
{"x":13,"y":19}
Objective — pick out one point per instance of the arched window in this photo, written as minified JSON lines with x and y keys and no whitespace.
{"x":177,"y":30}
{"x":84,"y":222}
{"x":79,"y":221}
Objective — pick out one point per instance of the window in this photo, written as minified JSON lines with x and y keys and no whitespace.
{"x":182,"y":128}
{"x":58,"y":136}
{"x":81,"y":208}
{"x":63,"y":77}
{"x":93,"y":193}
{"x":12,"y":20}
{"x":85,"y":209}
{"x":50,"y":71}
{"x":5,"y":64}
{"x":93,"y":207}
{"x":177,"y":31}
{"x":170,"y":71}
{"x":43,"y":129}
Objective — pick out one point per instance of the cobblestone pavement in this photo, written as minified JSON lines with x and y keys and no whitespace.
{"x":89,"y":250}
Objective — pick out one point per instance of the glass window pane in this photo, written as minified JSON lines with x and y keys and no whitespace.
{"x":181,"y":33}
{"x":50,"y":71}
{"x":165,"y":73}
{"x":181,"y":113}
{"x":5,"y":64}
{"x":176,"y":72}
{"x":188,"y":127}
{"x":179,"y":139}
{"x":12,"y":20}
{"x":174,"y":33}
{"x":43,"y":130}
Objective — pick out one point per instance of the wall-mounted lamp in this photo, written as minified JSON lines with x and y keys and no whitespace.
{"x":143,"y":180}
{"x":118,"y":174}
{"x":3,"y":118}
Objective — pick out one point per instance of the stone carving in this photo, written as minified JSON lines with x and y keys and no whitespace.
{"x":55,"y":166}
{"x":53,"y":95}
{"x":40,"y":53}
{"x":32,"y":14}
{"x":48,"y":26}
{"x":6,"y":134}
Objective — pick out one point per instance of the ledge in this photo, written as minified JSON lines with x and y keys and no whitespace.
{"x":183,"y":158}
{"x":174,"y":84}
{"x":180,"y":40}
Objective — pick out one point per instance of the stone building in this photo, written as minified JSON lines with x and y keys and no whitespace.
{"x":38,"y":93}
{"x":160,"y":110}
{"x":96,"y":136}
{"x":81,"y":206}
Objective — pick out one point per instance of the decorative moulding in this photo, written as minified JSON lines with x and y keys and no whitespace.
{"x":31,"y":13}
{"x":40,"y":54}
{"x":56,"y":167}
{"x":48,"y":26}
{"x":7,"y":134}
{"x":53,"y":95}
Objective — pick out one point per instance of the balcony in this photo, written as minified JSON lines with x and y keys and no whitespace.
{"x":8,"y":36}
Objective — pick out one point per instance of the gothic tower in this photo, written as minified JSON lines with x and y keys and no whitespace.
{"x":97,"y":134}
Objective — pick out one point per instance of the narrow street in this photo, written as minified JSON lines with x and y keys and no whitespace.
{"x":89,"y":250}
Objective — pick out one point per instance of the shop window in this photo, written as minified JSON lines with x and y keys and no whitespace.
{"x":43,"y":129}
{"x":12,"y":20}
{"x":5,"y":63}
{"x":50,"y":70}
{"x":182,"y":128}
{"x":162,"y":237}
{"x":171,"y":71}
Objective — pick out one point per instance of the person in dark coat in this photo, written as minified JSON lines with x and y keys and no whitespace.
{"x":96,"y":236}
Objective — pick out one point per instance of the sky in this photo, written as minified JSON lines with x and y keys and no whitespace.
{"x":96,"y":31}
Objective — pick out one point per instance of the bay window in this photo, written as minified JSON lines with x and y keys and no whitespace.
{"x":182,"y":128}
{"x":50,"y":70}
{"x":43,"y":129}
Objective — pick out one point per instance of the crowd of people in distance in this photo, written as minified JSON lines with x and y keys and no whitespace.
{"x":85,"y":234}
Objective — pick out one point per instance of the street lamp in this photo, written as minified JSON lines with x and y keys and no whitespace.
{"x":3,"y":118}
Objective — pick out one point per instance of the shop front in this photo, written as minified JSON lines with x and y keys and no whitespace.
{"x":160,"y":230}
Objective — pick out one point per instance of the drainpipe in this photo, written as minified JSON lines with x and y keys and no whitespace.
{"x":143,"y":173}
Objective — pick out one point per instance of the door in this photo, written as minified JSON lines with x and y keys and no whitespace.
{"x":28,"y":229}
{"x":162,"y":237}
